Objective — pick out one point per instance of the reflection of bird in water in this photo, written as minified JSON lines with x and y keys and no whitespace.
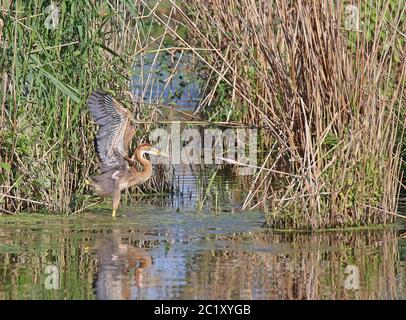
{"x":137,"y":259}
{"x":115,"y":133}
{"x":122,"y":267}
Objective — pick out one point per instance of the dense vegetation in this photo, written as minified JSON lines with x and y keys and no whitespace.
{"x":325,"y":82}
{"x":46,"y":137}
{"x":328,"y":97}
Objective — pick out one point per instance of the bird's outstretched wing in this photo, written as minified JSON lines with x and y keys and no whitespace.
{"x":115,"y":129}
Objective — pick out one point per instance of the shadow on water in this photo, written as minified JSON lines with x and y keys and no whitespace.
{"x":158,"y":253}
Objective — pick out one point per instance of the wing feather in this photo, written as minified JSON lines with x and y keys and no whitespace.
{"x":115,"y":129}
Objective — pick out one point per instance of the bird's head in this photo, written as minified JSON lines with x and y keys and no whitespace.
{"x":147,"y":148}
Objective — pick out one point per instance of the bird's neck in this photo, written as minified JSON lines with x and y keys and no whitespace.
{"x":138,"y":177}
{"x":146,"y":164}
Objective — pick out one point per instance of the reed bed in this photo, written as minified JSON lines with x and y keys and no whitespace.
{"x":46,"y":134}
{"x":325,"y":90}
{"x":327,"y":93}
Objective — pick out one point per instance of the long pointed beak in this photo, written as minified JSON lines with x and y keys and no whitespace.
{"x":163,"y":154}
{"x":157,"y":152}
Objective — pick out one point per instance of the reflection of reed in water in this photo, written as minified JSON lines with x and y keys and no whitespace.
{"x":122,"y":269}
{"x":29,"y":252}
{"x":311,"y":266}
{"x":191,"y":189}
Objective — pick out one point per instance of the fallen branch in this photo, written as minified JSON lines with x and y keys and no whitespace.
{"x":21,"y":199}
{"x":389,"y":212}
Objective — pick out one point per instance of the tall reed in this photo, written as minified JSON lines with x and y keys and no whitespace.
{"x":325,"y":82}
{"x":46,"y":134}
{"x":325,"y":87}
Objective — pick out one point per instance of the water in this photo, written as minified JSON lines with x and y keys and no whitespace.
{"x":192,"y":245}
{"x":163,"y":252}
{"x":170,"y":79}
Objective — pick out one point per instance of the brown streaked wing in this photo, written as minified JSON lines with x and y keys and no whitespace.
{"x":115,"y":129}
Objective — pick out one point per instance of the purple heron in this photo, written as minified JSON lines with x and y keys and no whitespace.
{"x":115,"y":133}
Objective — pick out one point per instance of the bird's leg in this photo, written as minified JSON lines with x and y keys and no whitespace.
{"x":116,"y":202}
